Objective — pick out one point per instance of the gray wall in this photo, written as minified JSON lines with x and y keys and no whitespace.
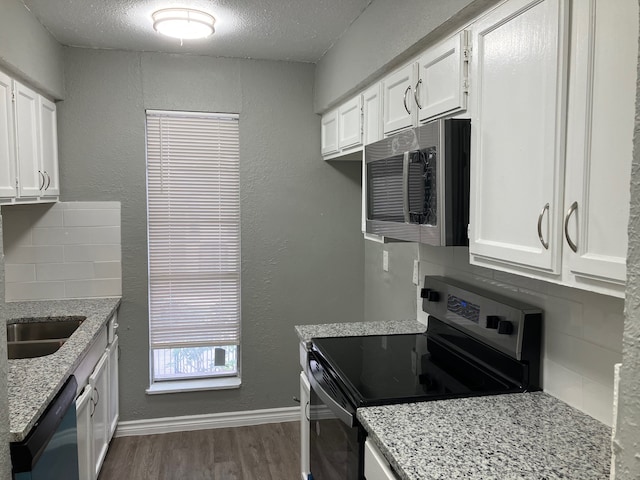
{"x":627,"y":441}
{"x":302,"y":251}
{"x":28,"y":51}
{"x":386,"y":34}
{"x":5,"y":461}
{"x":389,"y":295}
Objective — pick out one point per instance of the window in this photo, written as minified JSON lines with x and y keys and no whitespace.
{"x":193,"y":204}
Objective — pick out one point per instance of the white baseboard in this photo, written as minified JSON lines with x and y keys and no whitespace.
{"x":154,"y":426}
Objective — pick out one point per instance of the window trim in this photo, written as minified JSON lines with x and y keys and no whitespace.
{"x":232,"y":381}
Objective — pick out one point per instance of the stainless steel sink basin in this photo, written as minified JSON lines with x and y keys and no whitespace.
{"x":32,"y":349}
{"x":39,"y":338}
{"x":24,"y":332}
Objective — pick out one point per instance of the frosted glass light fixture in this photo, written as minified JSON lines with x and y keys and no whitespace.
{"x":183,"y":23}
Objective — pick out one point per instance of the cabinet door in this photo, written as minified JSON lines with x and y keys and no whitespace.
{"x":350,"y":123}
{"x":375,"y":465}
{"x":304,"y":424}
{"x":329,"y":133}
{"x":49,"y":146}
{"x":600,"y":137}
{"x":399,"y":106}
{"x":99,"y":382}
{"x":372,"y":114}
{"x":84,"y":408}
{"x":7,"y":137}
{"x":114,"y":404}
{"x":30,"y":178}
{"x":519,"y":85}
{"x":442,"y":78}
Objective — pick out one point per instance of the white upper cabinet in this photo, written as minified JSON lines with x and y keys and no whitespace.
{"x":518,"y":85}
{"x":30,"y":177}
{"x":48,"y":147}
{"x":600,"y":138}
{"x":7,"y":147}
{"x":399,"y":109}
{"x":442,"y":78}
{"x":329,"y":133}
{"x":372,"y":114}
{"x":350,"y":123}
{"x":28,"y":145}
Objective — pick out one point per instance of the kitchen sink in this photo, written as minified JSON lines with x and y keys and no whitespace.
{"x":32,"y":349}
{"x":39,"y":338}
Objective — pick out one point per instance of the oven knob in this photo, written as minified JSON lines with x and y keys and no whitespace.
{"x":492,"y":321}
{"x":505,"y":327}
{"x":430,"y":295}
{"x":433,"y":296}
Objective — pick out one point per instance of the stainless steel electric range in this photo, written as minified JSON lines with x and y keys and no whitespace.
{"x":476,"y":343}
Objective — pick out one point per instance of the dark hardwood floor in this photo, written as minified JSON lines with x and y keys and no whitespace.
{"x":261,"y":452}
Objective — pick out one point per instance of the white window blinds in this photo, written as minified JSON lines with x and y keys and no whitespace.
{"x":193,"y":203}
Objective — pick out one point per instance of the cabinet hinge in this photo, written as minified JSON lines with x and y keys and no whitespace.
{"x":13,"y":96}
{"x":466,"y":54}
{"x":465,"y":85}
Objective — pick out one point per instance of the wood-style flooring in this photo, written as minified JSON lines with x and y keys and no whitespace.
{"x":261,"y":452}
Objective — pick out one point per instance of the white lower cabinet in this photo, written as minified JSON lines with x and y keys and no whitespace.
{"x":375,"y":465}
{"x":97,"y":409}
{"x":84,"y":407}
{"x":99,"y":382}
{"x":114,"y":404}
{"x":305,"y":392}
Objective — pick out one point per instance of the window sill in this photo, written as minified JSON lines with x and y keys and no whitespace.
{"x":195,"y":385}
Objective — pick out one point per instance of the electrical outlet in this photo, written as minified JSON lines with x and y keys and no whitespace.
{"x":385,"y":260}
{"x":416,"y":272}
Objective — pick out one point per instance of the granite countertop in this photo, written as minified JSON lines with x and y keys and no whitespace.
{"x":34,"y":382}
{"x":531,"y":436}
{"x":307,"y":332}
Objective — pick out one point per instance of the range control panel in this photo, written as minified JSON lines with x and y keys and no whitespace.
{"x":497,"y":320}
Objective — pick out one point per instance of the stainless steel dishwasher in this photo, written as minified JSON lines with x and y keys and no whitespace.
{"x":50,"y":450}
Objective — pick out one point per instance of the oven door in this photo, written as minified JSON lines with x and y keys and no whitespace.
{"x":336,"y":448}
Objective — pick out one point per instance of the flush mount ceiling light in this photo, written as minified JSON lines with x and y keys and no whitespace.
{"x":183,"y":23}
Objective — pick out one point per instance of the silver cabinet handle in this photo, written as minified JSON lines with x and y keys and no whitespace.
{"x":43,"y":180}
{"x":416,"y":94}
{"x":572,"y":208}
{"x":544,"y":244}
{"x":48,"y":180}
{"x":404,"y":99}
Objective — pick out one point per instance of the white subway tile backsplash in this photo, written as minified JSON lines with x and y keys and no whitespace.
{"x":598,"y":401}
{"x":35,"y":254}
{"x":90,"y":205}
{"x":34,"y":290}
{"x":107,"y":269}
{"x":21,"y":272}
{"x":66,"y":250}
{"x":92,"y":253}
{"x":603,"y":322}
{"x":65,"y":271}
{"x":563,"y":383}
{"x":93,"y":288}
{"x":92,"y":218}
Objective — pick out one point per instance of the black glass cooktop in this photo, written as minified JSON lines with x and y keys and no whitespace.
{"x":379,"y":369}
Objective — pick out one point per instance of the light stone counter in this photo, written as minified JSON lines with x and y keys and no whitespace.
{"x":307,"y":332}
{"x":34,"y":382}
{"x":522,"y":436}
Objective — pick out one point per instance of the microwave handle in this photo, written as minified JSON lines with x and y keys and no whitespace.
{"x":405,"y":186}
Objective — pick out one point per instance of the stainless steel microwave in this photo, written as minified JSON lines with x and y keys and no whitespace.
{"x":417,"y":184}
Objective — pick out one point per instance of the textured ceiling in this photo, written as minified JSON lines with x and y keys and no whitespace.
{"x":296,"y":30}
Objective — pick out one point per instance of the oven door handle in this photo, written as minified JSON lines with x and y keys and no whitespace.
{"x":344,"y":415}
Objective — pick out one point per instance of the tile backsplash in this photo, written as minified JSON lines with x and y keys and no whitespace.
{"x":62,"y":250}
{"x":582,"y":330}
